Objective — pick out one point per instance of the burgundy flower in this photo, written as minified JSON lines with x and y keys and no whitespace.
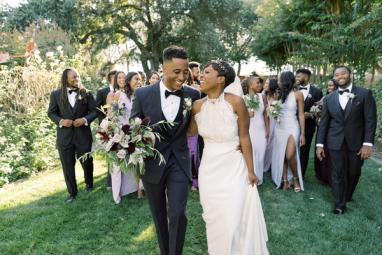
{"x":131,"y":148}
{"x":116,"y":147}
{"x":145,"y":121}
{"x":103,"y":136}
{"x":126,"y":128}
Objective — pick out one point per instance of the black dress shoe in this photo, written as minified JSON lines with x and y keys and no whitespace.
{"x":70,"y":199}
{"x":339,"y":211}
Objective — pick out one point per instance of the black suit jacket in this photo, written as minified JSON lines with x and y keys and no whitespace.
{"x":66,"y":136}
{"x":315,"y":96}
{"x":147,"y":103}
{"x":356,"y":124}
{"x":100,"y":101}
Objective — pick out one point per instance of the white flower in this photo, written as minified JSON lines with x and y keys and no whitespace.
{"x":187,"y":105}
{"x":104,"y":124}
{"x":351,"y":96}
{"x":109,"y":145}
{"x":121,"y":154}
{"x":49,"y":54}
{"x":309,"y":96}
{"x":116,"y":138}
{"x":59,"y":48}
{"x":125,"y":141}
{"x":137,"y":121}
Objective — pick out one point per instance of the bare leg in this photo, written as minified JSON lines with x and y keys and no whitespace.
{"x":290,"y":155}
{"x":285,"y":182}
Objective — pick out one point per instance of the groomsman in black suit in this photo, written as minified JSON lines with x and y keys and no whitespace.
{"x":347,"y":126}
{"x":311,"y":96}
{"x":167,"y":184}
{"x":73,"y":109}
{"x":100,"y":101}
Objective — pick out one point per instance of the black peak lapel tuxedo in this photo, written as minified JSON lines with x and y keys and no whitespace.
{"x":167,"y":185}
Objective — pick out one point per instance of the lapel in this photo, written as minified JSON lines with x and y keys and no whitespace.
{"x":337,"y":104}
{"x":184,"y":118}
{"x":69,"y":107}
{"x":156,"y":103}
{"x":349,"y":104}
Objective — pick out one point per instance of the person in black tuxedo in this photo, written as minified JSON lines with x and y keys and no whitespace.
{"x":167,"y":184}
{"x":100,"y":101}
{"x":73,"y":109}
{"x":311,"y":96}
{"x":347,"y":128}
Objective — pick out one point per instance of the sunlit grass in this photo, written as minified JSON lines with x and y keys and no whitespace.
{"x":35,"y":220}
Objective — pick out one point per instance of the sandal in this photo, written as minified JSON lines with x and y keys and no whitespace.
{"x":296,"y":189}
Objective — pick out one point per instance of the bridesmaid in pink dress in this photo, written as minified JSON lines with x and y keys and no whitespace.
{"x":124,"y":85}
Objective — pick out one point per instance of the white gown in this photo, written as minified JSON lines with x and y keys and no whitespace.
{"x":231,"y":208}
{"x":258,"y":139}
{"x":286,"y":127}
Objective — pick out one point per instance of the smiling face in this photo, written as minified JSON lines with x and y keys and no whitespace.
{"x":135,"y":82}
{"x":209,"y":80}
{"x":154,"y":78}
{"x":302,"y":79}
{"x":330,"y":87}
{"x":342,"y":76}
{"x":121,"y":80}
{"x":175,"y":73}
{"x":255,"y":85}
{"x":73,"y":79}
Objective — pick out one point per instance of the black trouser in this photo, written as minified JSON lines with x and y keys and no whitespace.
{"x":168,"y":200}
{"x":310,"y":128}
{"x":346,"y":170}
{"x":68,"y":157}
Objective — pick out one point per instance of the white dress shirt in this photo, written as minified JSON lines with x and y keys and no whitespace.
{"x":72,"y":97}
{"x":170,"y":105}
{"x":344,"y":98}
{"x":305,"y":92}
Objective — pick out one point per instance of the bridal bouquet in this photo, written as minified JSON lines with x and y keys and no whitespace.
{"x":274,"y":110}
{"x":127,"y":143}
{"x":252,"y":102}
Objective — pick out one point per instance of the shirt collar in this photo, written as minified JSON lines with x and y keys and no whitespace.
{"x":349,"y":88}
{"x":111,"y":87}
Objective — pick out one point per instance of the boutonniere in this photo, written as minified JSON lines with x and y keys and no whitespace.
{"x":187,"y":105}
{"x":309,"y":96}
{"x":351,"y":96}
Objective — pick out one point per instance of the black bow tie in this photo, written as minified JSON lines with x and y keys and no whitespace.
{"x":302,"y":88}
{"x":177,"y":93}
{"x":72,"y":90}
{"x":342,"y":91}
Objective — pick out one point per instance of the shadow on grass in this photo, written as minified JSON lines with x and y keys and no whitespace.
{"x":298,"y":223}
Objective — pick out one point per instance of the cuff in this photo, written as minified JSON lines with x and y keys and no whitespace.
{"x":86,"y":121}
{"x":60,"y":123}
{"x":320,"y":145}
{"x":368,"y":144}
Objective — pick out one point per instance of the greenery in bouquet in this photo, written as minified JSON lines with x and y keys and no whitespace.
{"x":252,"y":102}
{"x":127,"y":144}
{"x":274,"y":110}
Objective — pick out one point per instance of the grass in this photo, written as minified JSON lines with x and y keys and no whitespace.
{"x":35,"y":220}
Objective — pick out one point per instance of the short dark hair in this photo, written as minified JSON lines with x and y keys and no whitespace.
{"x":111,"y":73}
{"x":174,"y":52}
{"x":223,"y":69}
{"x":193,"y":64}
{"x":338,"y":67}
{"x":304,"y":71}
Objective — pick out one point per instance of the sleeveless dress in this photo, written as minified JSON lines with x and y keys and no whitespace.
{"x":258,"y":139}
{"x":231,"y":208}
{"x":122,"y":183}
{"x":286,"y":127}
{"x":268,"y":150}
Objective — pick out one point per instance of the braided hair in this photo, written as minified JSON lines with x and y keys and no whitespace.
{"x":224,"y":69}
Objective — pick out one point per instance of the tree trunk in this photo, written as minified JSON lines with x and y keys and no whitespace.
{"x":238,"y":68}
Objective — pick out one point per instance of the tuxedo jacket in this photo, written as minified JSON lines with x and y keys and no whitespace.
{"x":314,"y":95}
{"x":147,"y":103}
{"x":355,"y":125}
{"x":66,"y":136}
{"x":100,"y":101}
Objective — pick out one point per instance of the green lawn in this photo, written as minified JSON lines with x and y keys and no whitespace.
{"x":35,"y":220}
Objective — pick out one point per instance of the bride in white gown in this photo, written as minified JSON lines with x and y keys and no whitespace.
{"x":227,"y":182}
